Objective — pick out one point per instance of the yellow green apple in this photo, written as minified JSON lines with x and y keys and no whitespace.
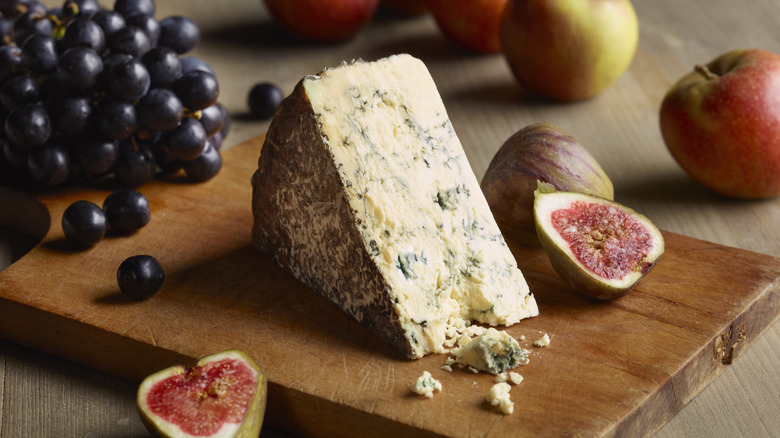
{"x":569,"y":49}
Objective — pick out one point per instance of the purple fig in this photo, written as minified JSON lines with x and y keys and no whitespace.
{"x":599,"y":247}
{"x":545,"y":153}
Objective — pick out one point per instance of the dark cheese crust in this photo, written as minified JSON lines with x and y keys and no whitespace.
{"x":303,"y":221}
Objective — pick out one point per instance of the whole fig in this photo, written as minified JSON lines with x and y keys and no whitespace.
{"x":538,"y":152}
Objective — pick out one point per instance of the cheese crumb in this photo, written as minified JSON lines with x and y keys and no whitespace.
{"x":543,"y":341}
{"x":503,"y":377}
{"x":426,"y":384}
{"x":515,"y":378}
{"x":499,"y":396}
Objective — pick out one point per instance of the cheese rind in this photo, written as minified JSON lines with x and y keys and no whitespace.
{"x":363,"y":192}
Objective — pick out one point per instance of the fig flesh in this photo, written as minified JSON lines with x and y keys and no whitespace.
{"x":599,"y":247}
{"x":538,"y":152}
{"x":223,"y":395}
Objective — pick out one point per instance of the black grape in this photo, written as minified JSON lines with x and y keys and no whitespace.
{"x":212,"y":119}
{"x":70,"y":114}
{"x":83,"y":32}
{"x":263,"y":100}
{"x":206,"y":166}
{"x":39,"y":53}
{"x":131,"y":7}
{"x":109,"y":21}
{"x":179,"y":33}
{"x":84,"y":223}
{"x":117,"y":118}
{"x":160,"y":110}
{"x":10,"y":61}
{"x":49,"y":165}
{"x":163,"y":66}
{"x":19,"y":90}
{"x":187,"y":140}
{"x":130,"y":40}
{"x":147,"y":24}
{"x":98,"y":155}
{"x":28,"y":125}
{"x":196,"y":89}
{"x":136,"y":165}
{"x":127,"y":210}
{"x":79,"y":67}
{"x":32,"y":22}
{"x":189,"y":63}
{"x":128,"y":80}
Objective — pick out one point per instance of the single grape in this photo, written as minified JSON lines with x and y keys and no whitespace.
{"x":140,"y":276}
{"x":187,"y":140}
{"x":19,"y":90}
{"x":147,"y":24}
{"x":12,"y":8}
{"x":28,"y":125}
{"x":127,"y":210}
{"x":189,"y":63}
{"x":83,"y":32}
{"x":117,"y":118}
{"x":132,"y":7}
{"x":160,"y":110}
{"x":84,"y":223}
{"x":32,"y":22}
{"x":196,"y":89}
{"x":80,"y":67}
{"x":212,"y":119}
{"x":70,"y":114}
{"x":179,"y":33}
{"x":109,"y":21}
{"x":130,"y":40}
{"x":39,"y":53}
{"x":163,"y":66}
{"x":136,"y":165}
{"x":264,"y":98}
{"x":10,"y":61}
{"x":206,"y":166}
{"x":86,"y":7}
{"x":128,"y":80}
{"x":49,"y":165}
{"x":98,"y":155}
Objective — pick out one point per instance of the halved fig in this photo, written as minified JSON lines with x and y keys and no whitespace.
{"x":223,"y":395}
{"x":600,"y":247}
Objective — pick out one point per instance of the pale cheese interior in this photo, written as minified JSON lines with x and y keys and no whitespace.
{"x":416,"y":201}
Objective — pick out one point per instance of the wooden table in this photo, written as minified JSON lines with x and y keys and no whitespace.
{"x":43,"y":396}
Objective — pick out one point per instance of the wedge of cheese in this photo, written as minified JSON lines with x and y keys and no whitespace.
{"x":363,"y":193}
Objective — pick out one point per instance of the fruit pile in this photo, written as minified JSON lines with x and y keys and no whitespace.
{"x":88,"y":93}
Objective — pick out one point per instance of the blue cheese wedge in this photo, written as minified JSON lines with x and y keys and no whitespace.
{"x":494,"y":351}
{"x":363,"y":192}
{"x":426,"y":384}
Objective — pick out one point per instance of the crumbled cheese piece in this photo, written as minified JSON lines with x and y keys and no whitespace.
{"x":446,"y":368}
{"x":493,"y":351}
{"x":543,"y":341}
{"x":515,"y":378}
{"x":426,"y":384}
{"x":499,"y":396}
{"x":501,"y":378}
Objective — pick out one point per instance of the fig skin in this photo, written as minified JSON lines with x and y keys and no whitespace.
{"x":538,"y":152}
{"x":253,"y":420}
{"x":563,"y":260}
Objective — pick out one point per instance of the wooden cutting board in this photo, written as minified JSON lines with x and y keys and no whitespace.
{"x":621,"y":367}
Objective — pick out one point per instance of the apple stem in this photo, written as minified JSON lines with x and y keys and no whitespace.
{"x":705,"y":72}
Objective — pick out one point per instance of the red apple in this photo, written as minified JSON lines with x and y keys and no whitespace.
{"x":323,"y":20}
{"x":721,"y":122}
{"x":409,"y":7}
{"x":569,"y":49}
{"x":472,"y":23}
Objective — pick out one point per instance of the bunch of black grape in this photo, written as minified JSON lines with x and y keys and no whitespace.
{"x":93,"y":94}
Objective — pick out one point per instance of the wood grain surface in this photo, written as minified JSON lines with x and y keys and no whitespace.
{"x":44,"y":396}
{"x":629,"y":364}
